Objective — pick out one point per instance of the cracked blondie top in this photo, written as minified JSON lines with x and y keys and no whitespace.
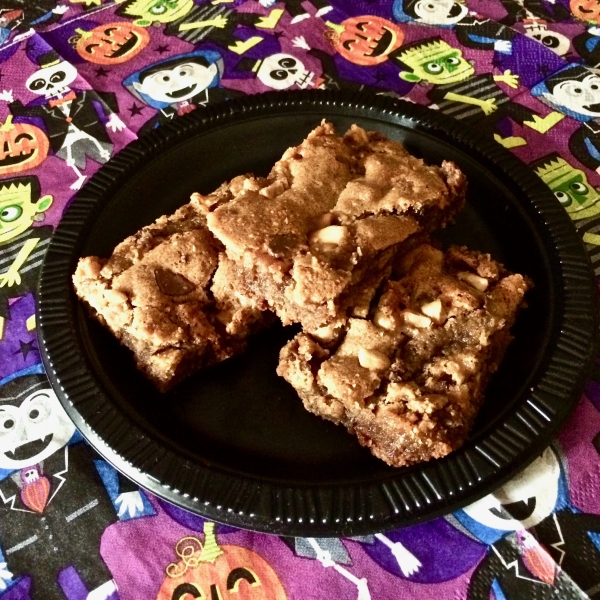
{"x":314,"y":240}
{"x":408,"y":380}
{"x":153,"y":294}
{"x":399,"y":339}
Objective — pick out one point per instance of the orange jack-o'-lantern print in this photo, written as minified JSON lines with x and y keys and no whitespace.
{"x":586,"y":10}
{"x":22,"y":147}
{"x":207,"y":571}
{"x":111,"y":43}
{"x":367,"y":40}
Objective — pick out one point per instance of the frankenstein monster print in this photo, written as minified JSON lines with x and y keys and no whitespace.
{"x":434,"y":61}
{"x":462,"y":94}
{"x":22,"y":246}
{"x":215,"y":22}
{"x":146,"y":12}
{"x":576,"y":195}
{"x":570,"y":186}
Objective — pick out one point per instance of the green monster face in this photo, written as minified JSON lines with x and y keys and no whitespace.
{"x":17,"y":211}
{"x":435,"y":62}
{"x":571,"y":188}
{"x":160,"y":11}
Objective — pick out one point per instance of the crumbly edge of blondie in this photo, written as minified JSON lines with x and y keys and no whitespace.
{"x":409,"y":380}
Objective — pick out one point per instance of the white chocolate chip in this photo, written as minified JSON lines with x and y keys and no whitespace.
{"x":328,"y":333}
{"x":387,"y":322}
{"x":331,"y":235}
{"x":275,"y":189}
{"x":324,"y":220}
{"x":373,"y":360}
{"x":415,"y":319}
{"x":402,"y":392}
{"x":433,"y":310}
{"x":456,"y":371}
{"x":115,"y":297}
{"x":251,"y":184}
{"x":479,"y":283}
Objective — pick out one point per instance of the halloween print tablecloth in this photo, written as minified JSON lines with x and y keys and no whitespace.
{"x":80,"y":79}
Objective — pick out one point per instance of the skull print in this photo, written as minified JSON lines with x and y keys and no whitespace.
{"x":282,"y":71}
{"x":52,"y":80}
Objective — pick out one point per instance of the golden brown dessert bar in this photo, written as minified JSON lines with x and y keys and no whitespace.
{"x":153,"y":294}
{"x":408,"y":380}
{"x":315,"y":239}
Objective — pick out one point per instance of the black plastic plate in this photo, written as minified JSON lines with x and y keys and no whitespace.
{"x":233,"y":443}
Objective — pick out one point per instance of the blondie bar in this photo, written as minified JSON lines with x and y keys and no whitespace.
{"x":315,"y":239}
{"x":153,"y":294}
{"x":409,"y":379}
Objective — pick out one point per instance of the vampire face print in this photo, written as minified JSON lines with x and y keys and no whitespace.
{"x":574,"y":90}
{"x":33,"y":424}
{"x":178,"y":85}
{"x":539,"y":545}
{"x":579,"y":95}
{"x":524,"y":501}
{"x":177,"y":82}
{"x":430,"y":12}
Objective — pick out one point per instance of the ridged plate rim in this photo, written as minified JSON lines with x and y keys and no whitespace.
{"x":405,"y":498}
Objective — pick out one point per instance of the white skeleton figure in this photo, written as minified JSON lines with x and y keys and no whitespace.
{"x":336,"y":553}
{"x":324,"y":557}
{"x":283,"y":71}
{"x":408,"y":562}
{"x":557,"y":42}
{"x":53,"y":83}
